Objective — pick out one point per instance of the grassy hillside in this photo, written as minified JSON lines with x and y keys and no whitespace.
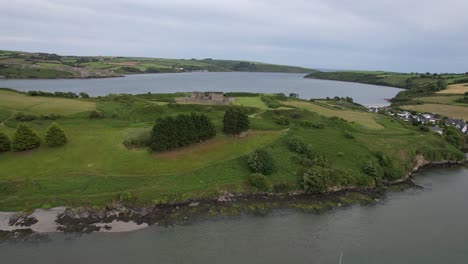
{"x":414,"y":83}
{"x":95,"y":167}
{"x":15,"y":64}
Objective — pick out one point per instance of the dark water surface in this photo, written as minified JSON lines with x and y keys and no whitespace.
{"x":213,"y":81}
{"x":427,"y":225}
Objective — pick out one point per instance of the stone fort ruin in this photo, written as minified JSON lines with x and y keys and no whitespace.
{"x":206,"y":98}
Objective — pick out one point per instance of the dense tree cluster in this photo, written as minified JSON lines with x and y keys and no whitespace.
{"x":455,"y":137}
{"x":235,"y":121}
{"x":55,"y":136}
{"x":174,"y":132}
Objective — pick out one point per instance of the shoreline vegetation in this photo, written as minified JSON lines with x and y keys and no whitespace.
{"x":121,"y":217}
{"x":27,"y":65}
{"x":283,"y":146}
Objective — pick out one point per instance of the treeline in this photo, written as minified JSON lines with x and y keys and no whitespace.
{"x":173,"y":132}
{"x":58,"y":94}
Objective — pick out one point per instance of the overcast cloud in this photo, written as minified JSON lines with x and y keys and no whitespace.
{"x":399,"y":35}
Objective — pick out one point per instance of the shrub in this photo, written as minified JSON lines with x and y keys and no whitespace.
{"x":258,"y":181}
{"x":24,"y":117}
{"x":348,"y":135}
{"x":25,"y":139}
{"x":55,"y":136}
{"x":296,"y":144}
{"x":296,"y":115}
{"x":282,"y":121}
{"x":5,"y":142}
{"x":95,"y":114}
{"x":372,"y":169}
{"x":139,"y":139}
{"x":316,"y":179}
{"x":125,"y":196}
{"x":310,"y":124}
{"x":261,"y":161}
{"x":235,"y":121}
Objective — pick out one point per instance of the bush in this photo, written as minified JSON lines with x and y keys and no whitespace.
{"x":348,"y":135}
{"x":24,"y":117}
{"x":296,"y":144}
{"x":258,"y":181}
{"x":372,"y":169}
{"x":95,"y":114}
{"x":55,"y":136}
{"x":170,"y":133}
{"x":139,"y":139}
{"x":261,"y":161}
{"x":282,"y":121}
{"x":25,"y":139}
{"x":235,"y":121}
{"x":316,"y":179}
{"x":310,"y":124}
{"x":5,"y":142}
{"x":125,"y":196}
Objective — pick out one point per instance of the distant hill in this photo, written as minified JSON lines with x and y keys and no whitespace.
{"x":416,"y":84}
{"x":17,"y":64}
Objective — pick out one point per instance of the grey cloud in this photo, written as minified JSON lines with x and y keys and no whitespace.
{"x":362,"y":34}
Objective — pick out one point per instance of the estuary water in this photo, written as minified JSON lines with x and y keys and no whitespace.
{"x":213,"y":81}
{"x":426,"y":225}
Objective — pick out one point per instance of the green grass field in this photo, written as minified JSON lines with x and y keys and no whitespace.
{"x":362,"y":118}
{"x":94,"y":167}
{"x":19,"y":102}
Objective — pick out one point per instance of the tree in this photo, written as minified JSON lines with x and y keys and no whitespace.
{"x":25,"y":139}
{"x":235,"y":121}
{"x":55,"y":136}
{"x":84,"y":95}
{"x":261,"y":161}
{"x":5,"y":143}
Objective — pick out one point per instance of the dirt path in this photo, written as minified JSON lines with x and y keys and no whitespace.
{"x":3,"y":123}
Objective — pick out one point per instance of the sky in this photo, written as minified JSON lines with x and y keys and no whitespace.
{"x":394,"y":35}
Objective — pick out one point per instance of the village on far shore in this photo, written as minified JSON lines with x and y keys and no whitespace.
{"x":432,"y":121}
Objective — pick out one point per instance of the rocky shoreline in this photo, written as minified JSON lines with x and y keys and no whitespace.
{"x":20,"y":226}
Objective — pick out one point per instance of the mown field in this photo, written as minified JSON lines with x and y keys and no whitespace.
{"x":94,"y":167}
{"x":459,"y":88}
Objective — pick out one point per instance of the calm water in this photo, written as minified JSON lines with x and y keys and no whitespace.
{"x":414,"y":226}
{"x":201,"y":81}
